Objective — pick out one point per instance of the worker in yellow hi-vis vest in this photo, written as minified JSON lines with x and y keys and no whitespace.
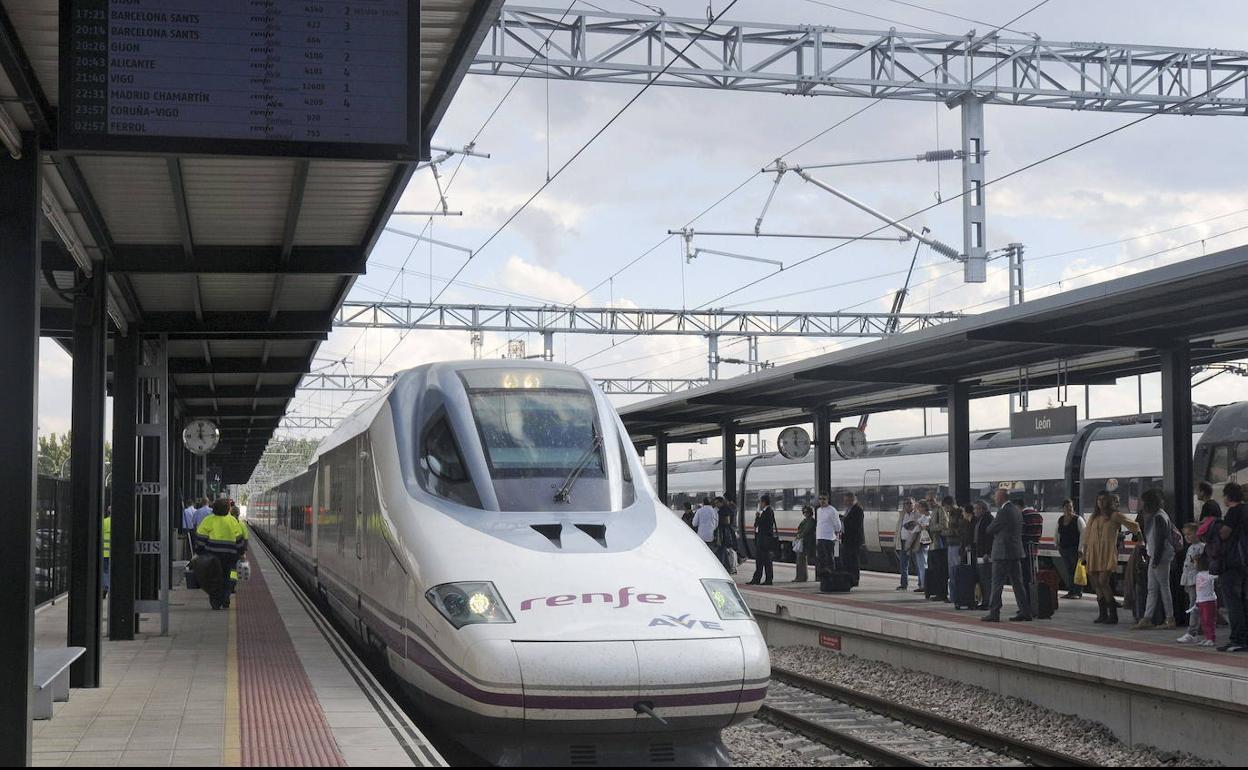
{"x":220,"y":536}
{"x":106,"y":542}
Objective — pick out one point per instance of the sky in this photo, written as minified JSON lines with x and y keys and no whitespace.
{"x":1172,"y":185}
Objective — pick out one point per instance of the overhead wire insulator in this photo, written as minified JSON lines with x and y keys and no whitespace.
{"x":944,"y":249}
{"x":933,"y":156}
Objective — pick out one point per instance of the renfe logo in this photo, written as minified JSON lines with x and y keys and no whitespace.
{"x":620,"y":599}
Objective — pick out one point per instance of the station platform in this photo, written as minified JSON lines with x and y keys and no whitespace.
{"x":1141,"y":684}
{"x":267,"y":682}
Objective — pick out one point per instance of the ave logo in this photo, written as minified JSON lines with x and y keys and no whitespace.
{"x":686,"y":622}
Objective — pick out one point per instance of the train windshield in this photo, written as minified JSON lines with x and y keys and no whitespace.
{"x":542,"y":440}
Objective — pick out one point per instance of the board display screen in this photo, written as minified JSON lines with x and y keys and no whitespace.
{"x":332,"y":78}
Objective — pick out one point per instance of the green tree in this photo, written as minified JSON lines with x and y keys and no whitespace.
{"x":54,"y":454}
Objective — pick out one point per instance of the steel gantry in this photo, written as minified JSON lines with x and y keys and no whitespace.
{"x":968,"y":71}
{"x":712,"y":323}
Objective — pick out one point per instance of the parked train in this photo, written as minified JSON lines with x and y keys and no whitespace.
{"x":489,"y":528}
{"x":1121,"y":455}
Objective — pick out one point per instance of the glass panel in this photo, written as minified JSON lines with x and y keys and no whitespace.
{"x":536,"y":432}
{"x":1220,"y":466}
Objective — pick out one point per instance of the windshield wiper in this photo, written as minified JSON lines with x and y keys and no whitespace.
{"x":564,"y":495}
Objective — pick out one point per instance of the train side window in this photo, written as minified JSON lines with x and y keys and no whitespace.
{"x":1220,"y":465}
{"x":629,"y":494}
{"x":1240,"y":468}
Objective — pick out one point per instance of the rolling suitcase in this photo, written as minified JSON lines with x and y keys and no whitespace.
{"x":965,"y":576}
{"x":936,"y":581}
{"x":1046,"y":600}
{"x":1049,"y":577}
{"x":836,"y":580}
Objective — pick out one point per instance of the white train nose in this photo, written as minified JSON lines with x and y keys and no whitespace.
{"x":637,"y":686}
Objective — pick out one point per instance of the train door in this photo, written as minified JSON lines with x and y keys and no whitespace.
{"x":872,"y":502}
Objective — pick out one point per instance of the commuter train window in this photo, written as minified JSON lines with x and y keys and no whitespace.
{"x":441,"y":455}
{"x":1240,"y":469}
{"x":537,"y":431}
{"x":628,"y":495}
{"x":1220,"y":465}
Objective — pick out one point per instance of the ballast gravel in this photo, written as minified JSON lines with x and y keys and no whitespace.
{"x":1003,"y":714}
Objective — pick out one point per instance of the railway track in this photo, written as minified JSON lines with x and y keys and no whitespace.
{"x":892,"y":734}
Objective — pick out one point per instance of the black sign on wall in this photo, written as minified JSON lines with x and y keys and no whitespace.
{"x":314,"y":78}
{"x":1061,"y":421}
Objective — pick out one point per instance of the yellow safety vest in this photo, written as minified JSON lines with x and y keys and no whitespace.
{"x":220,"y":535}
{"x":107,"y":538}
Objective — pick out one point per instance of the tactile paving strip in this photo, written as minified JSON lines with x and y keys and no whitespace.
{"x":282,"y":721}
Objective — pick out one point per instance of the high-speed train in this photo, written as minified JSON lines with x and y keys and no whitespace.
{"x":489,"y":527}
{"x":1122,"y":455}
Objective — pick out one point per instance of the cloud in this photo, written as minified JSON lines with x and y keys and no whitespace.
{"x":520,"y":276}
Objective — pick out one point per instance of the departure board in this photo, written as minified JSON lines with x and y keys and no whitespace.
{"x":275,"y":77}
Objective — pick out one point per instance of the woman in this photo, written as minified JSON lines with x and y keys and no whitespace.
{"x":921,"y":544}
{"x":1161,"y":553}
{"x":1100,"y":552}
{"x":806,"y":537}
{"x":726,"y":541}
{"x":1069,"y":534}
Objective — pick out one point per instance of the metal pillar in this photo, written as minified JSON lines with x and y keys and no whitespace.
{"x":974,"y":205}
{"x":822,"y":440}
{"x":1015,"y":253}
{"x":712,"y":356}
{"x":728,"y":433}
{"x":19,"y":382}
{"x":960,"y":442}
{"x":87,"y":473}
{"x":122,"y":621}
{"x":1176,"y":432}
{"x":152,"y":489}
{"x":660,"y":467}
{"x":548,"y":346}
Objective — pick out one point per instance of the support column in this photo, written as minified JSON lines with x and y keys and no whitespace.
{"x":86,"y":464}
{"x":974,"y":206}
{"x":122,"y":620}
{"x":19,"y":382}
{"x":660,"y":467}
{"x":548,"y":346}
{"x":712,"y":356}
{"x":960,"y":442}
{"x":1176,"y":432}
{"x":728,"y":433}
{"x":822,"y":441}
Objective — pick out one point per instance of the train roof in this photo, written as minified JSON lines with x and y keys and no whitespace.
{"x":1131,"y":426}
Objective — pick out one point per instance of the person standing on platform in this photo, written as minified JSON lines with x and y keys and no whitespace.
{"x":726,"y":539}
{"x":982,"y":551}
{"x":1070,"y":526}
{"x":1191,"y":557}
{"x":705,"y":520}
{"x":950,"y":517}
{"x":202,"y":511}
{"x":221,"y":537}
{"x":1233,"y":573}
{"x":1157,"y":529}
{"x":1100,"y":553}
{"x":906,"y":539}
{"x":828,"y":529}
{"x":804,"y":544}
{"x":853,"y":536}
{"x":106,"y":545}
{"x":687,"y":516}
{"x":764,"y":541}
{"x":923,"y":543}
{"x":1208,"y":506}
{"x":1008,"y":557}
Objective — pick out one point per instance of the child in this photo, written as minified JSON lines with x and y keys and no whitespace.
{"x":1195,"y":549}
{"x":1206,"y":602}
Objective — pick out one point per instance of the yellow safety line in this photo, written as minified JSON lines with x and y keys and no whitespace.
{"x":232,"y":748}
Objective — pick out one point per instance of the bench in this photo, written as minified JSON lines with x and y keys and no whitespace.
{"x":52,"y":677}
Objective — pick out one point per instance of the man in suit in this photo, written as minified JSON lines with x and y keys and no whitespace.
{"x":1007,"y":559}
{"x":764,"y":540}
{"x":854,"y":537}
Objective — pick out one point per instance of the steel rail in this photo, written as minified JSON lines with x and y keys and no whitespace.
{"x":837,"y":739}
{"x":1031,"y":753}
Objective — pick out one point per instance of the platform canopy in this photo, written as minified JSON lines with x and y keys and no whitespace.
{"x":1091,"y":335}
{"x":242,"y":260}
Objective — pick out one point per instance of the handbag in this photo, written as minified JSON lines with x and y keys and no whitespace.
{"x":798,"y":548}
{"x":1081,"y":573}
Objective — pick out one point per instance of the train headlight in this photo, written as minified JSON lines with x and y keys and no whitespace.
{"x":464,"y":604}
{"x":726,"y":599}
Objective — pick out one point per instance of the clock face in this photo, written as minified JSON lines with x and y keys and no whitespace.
{"x":201,"y":437}
{"x":851,"y":443}
{"x":794,"y":443}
